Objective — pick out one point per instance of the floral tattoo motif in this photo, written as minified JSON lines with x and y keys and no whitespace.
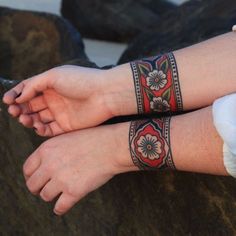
{"x":157,"y":84}
{"x":158,"y":104}
{"x":156,"y":80}
{"x":150,"y":144}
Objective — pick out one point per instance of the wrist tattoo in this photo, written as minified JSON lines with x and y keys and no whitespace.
{"x":149,"y":142}
{"x":157,"y":86}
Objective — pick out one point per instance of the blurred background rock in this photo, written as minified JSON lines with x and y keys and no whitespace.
{"x":170,"y":203}
{"x":100,"y":51}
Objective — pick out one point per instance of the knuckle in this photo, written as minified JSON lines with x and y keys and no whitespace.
{"x":52,"y":73}
{"x":71,"y":190}
{"x":46,"y":149}
{"x":48,"y":168}
{"x":30,"y":186}
{"x":26,"y":169}
{"x":27,"y":166}
{"x":24,"y":82}
{"x":63,"y":178}
{"x":61,"y":181}
{"x":63,"y":67}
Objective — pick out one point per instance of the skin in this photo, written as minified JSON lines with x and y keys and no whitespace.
{"x":71,"y":98}
{"x":74,"y":164}
{"x":78,"y":91}
{"x":157,"y":84}
{"x":53,"y":105}
{"x":66,"y":164}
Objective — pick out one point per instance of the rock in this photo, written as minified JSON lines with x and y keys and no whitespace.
{"x":131,"y":204}
{"x":193,"y":22}
{"x":116,"y":20}
{"x":159,"y":7}
{"x":32,"y":42}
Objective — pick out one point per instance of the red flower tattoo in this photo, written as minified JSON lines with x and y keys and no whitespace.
{"x":150,"y":144}
{"x":157,"y":84}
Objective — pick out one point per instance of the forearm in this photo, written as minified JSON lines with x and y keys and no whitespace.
{"x":194,"y":78}
{"x":195,"y":143}
{"x":187,"y":142}
{"x":207,"y":70}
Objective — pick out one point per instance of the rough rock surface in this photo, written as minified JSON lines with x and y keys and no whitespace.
{"x":31,"y":42}
{"x":131,"y":204}
{"x":115,"y":20}
{"x":190,"y":23}
{"x":161,"y":203}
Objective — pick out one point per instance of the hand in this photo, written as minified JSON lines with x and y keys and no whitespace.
{"x":77,"y":163}
{"x":69,"y":98}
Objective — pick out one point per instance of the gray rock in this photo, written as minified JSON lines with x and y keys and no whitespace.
{"x":115,"y":20}
{"x":31,"y":42}
{"x":193,"y":22}
{"x":130,"y":204}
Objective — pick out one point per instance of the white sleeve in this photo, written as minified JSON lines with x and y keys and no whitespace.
{"x":224,"y":118}
{"x":229,"y":161}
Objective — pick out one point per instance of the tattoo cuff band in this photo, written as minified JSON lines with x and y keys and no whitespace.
{"x":150,"y":147}
{"x":156,"y":83}
{"x":224,"y":117}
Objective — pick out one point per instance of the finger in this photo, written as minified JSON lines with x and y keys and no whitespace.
{"x":46,"y":116}
{"x":14,"y":110}
{"x":26,"y":120}
{"x":29,"y":120}
{"x":35,"y":105}
{"x":48,"y":130}
{"x":17,"y":109}
{"x":31,"y":164}
{"x":50,"y":191}
{"x":36,"y":85}
{"x":40,"y":128}
{"x":64,"y":204}
{"x":38,"y":180}
{"x":10,"y":96}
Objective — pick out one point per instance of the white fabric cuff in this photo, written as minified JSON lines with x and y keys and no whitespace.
{"x":229,"y":161}
{"x":224,"y":118}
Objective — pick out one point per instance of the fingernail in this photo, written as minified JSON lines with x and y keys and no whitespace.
{"x":18,"y":95}
{"x":56,"y":212}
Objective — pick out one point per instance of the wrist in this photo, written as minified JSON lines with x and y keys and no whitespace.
{"x":122,"y":159}
{"x":118,"y":91}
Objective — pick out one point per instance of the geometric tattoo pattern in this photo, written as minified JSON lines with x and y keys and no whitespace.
{"x":156,"y":84}
{"x":149,"y":142}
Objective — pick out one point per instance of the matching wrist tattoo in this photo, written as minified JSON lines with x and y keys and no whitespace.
{"x":157,"y":90}
{"x":157,"y":86}
{"x":149,"y":142}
